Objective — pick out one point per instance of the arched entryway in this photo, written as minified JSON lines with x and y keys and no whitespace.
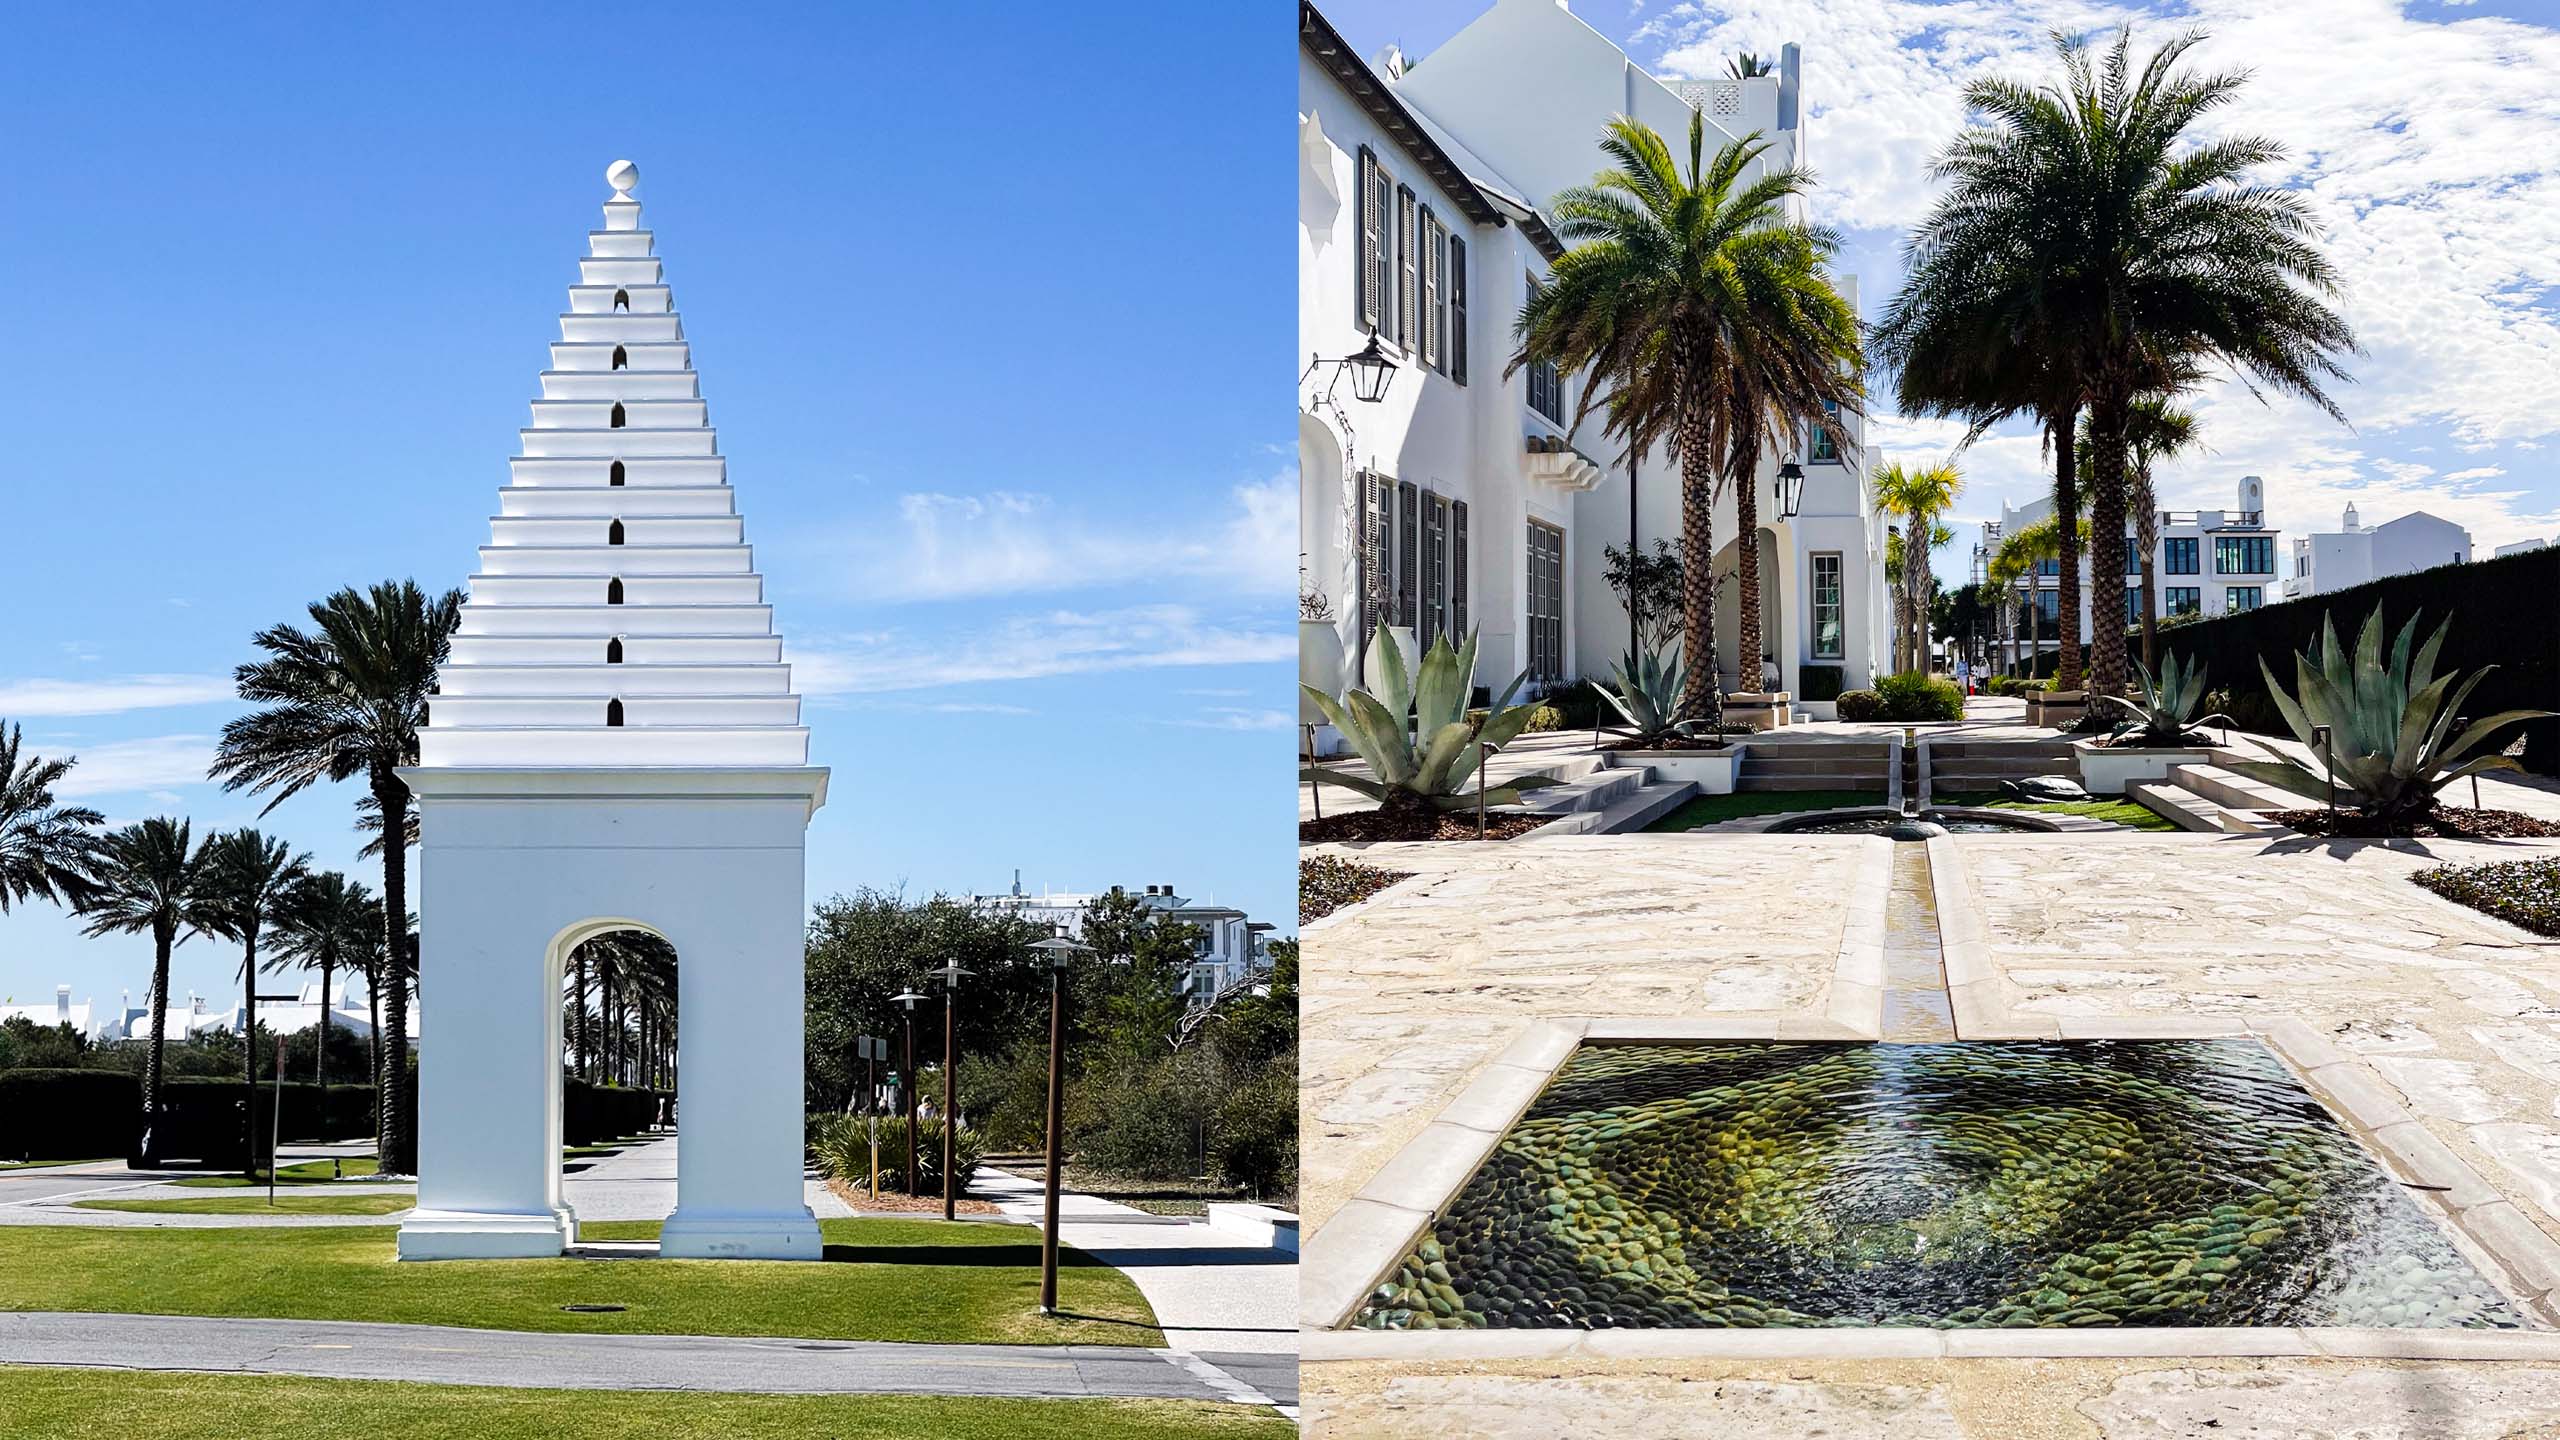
{"x":1741,"y":672}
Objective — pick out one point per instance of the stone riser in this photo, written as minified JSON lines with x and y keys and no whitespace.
{"x":635,"y":557}
{"x":597,"y":358}
{"x":608,"y":620}
{"x":478,"y":650}
{"x":588,"y":528}
{"x":480,"y":712}
{"x":677,"y":414}
{"x":584,"y":676}
{"x":620,"y":444}
{"x":638,"y":591}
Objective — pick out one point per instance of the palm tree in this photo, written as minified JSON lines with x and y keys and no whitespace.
{"x":635,"y":973}
{"x":1920,"y":495}
{"x":2027,"y":550}
{"x":329,"y":924}
{"x":2157,"y":428}
{"x":146,"y":878}
{"x":44,"y":847}
{"x":2002,"y":571}
{"x":1704,"y":317}
{"x":2155,"y":254}
{"x":345,"y":700}
{"x":247,"y":884}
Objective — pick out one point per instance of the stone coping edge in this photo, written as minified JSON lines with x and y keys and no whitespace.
{"x":1899,"y":1343}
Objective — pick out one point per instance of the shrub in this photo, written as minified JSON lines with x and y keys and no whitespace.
{"x":1254,"y":1140}
{"x":1542,"y":717}
{"x":1821,"y":682}
{"x":1327,"y":883}
{"x":1860,"y":705}
{"x":1919,"y":697}
{"x":591,"y":1114}
{"x":841,"y":1144}
{"x":1007,"y":1096}
{"x":48,"y":1114}
{"x":1577,"y":704}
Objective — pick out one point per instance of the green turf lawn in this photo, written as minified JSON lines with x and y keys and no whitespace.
{"x":50,"y":1403}
{"x":1716,"y":809}
{"x":2132,"y":814}
{"x":372,"y":1201}
{"x":305,"y":1172}
{"x":919,"y":1280}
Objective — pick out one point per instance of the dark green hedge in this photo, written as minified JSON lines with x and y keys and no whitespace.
{"x":67,"y":1114}
{"x":2502,"y":611}
{"x":590,"y":1113}
{"x":1820,"y":682}
{"x":200,"y":1117}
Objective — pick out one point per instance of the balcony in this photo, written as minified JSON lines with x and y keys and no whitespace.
{"x":2213,"y":520}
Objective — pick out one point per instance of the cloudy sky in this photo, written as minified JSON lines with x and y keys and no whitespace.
{"x":2425,"y":135}
{"x":1018,"y":468}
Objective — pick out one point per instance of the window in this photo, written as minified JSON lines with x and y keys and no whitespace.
{"x":1408,"y":268}
{"x":614,"y":535}
{"x":2244,"y":555}
{"x":2178,"y":555}
{"x":1827,"y":608}
{"x":614,"y":475}
{"x":2132,"y":606}
{"x":613,"y":591}
{"x":613,"y":712}
{"x":1374,"y":189}
{"x":1408,"y":554}
{"x":622,"y":300}
{"x":2181,"y":600}
{"x":2132,"y":555}
{"x":2049,"y":568}
{"x":1546,"y":601}
{"x":1825,"y":449}
{"x":1435,"y":570}
{"x":2243,"y":597}
{"x":613,"y":651}
{"x":621,"y":358}
{"x":1458,"y":570}
{"x":2049,"y":605}
{"x":618,"y":417}
{"x":1457,"y":328}
{"x":1435,"y":245}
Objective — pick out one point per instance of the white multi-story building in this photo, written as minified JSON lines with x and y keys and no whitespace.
{"x":85,"y":1018}
{"x":2209,"y":562}
{"x":2354,"y":553}
{"x":1233,"y":947}
{"x":1462,"y":498}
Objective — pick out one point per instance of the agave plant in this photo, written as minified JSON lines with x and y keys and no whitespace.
{"x":2163,"y":709}
{"x":2390,"y":723}
{"x":1648,"y":692}
{"x":1421,"y":745}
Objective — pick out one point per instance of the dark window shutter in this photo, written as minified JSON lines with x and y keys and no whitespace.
{"x":1374,"y":499}
{"x":1407,"y":263}
{"x":1430,"y":288}
{"x":1458,"y":571}
{"x":1457,"y":284}
{"x":1435,"y":567}
{"x":1373,"y":220}
{"x":1408,"y":561}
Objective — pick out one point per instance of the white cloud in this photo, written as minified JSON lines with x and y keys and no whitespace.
{"x":109,"y":697}
{"x":1225,"y":717}
{"x":139,"y":767}
{"x":945,"y":547}
{"x":1033,"y":646}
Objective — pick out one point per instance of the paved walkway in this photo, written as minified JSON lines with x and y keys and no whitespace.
{"x":452,"y":1356}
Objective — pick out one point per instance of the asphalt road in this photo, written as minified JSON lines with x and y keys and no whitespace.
{"x":451,"y":1356}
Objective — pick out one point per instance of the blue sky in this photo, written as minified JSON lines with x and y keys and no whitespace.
{"x":2422,"y":134}
{"x":991,"y":307}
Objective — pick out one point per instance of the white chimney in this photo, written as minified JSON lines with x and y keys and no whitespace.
{"x":2349,"y":523}
{"x":62,"y":1003}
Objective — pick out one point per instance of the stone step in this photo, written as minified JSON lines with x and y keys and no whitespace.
{"x":2233,"y":789}
{"x":1780,"y":760}
{"x":2183,"y":808}
{"x":2052,"y":749}
{"x":1645,"y":806}
{"x":1749,"y":781}
{"x":1594,"y":790}
{"x":1983,"y":768}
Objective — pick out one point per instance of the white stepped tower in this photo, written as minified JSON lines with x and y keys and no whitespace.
{"x":614,"y":745}
{"x":616,"y":617}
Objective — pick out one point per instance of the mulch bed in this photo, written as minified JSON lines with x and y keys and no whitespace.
{"x":2445,"y":822}
{"x":859,"y":1197}
{"x":1672,"y":742}
{"x":1360,"y":825}
{"x":1327,"y":883}
{"x":2520,"y":892}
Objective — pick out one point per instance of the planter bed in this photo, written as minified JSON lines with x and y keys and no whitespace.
{"x":1362,"y":826}
{"x":2520,"y":892}
{"x":2110,"y":769}
{"x":1327,"y":883}
{"x":2445,"y":822}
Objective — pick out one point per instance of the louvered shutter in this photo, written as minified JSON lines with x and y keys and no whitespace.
{"x":1458,"y":572}
{"x":1408,"y":560}
{"x":1373,"y":527}
{"x":1457,"y":286}
{"x":1408,"y":265}
{"x":1430,"y":288}
{"x":1435,"y":566}
{"x":1372,"y":284}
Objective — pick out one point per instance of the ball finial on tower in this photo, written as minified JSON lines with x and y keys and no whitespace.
{"x":622,"y":175}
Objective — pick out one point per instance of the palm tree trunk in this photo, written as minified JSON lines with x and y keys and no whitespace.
{"x":1697,"y":568}
{"x":2066,"y":518}
{"x":2035,"y":622}
{"x":163,"y":938}
{"x":1746,"y":524}
{"x":2146,"y":533}
{"x":249,"y":1047}
{"x":320,"y":1063}
{"x":2106,"y":529}
{"x":373,"y":1044}
{"x":397,"y":1140}
{"x":586,"y":1036}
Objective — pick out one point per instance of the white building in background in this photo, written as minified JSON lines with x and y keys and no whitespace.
{"x":1234,"y":947}
{"x":85,"y":1018}
{"x":1462,"y":498}
{"x":347,"y":1011}
{"x":2519,"y":547}
{"x":2209,"y":562}
{"x":2355,"y":552}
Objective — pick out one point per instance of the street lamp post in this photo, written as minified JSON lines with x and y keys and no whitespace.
{"x":907,"y":1084}
{"x":1060,"y":953}
{"x":951,"y":976}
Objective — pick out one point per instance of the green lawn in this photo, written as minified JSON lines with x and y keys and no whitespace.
{"x":49,"y":1403}
{"x":7,"y":1165}
{"x":2132,"y":814}
{"x":373,"y":1201}
{"x":920,"y":1280}
{"x":1716,"y":809}
{"x":305,"y":1172}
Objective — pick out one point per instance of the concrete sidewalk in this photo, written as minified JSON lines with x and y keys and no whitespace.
{"x":451,"y":1356}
